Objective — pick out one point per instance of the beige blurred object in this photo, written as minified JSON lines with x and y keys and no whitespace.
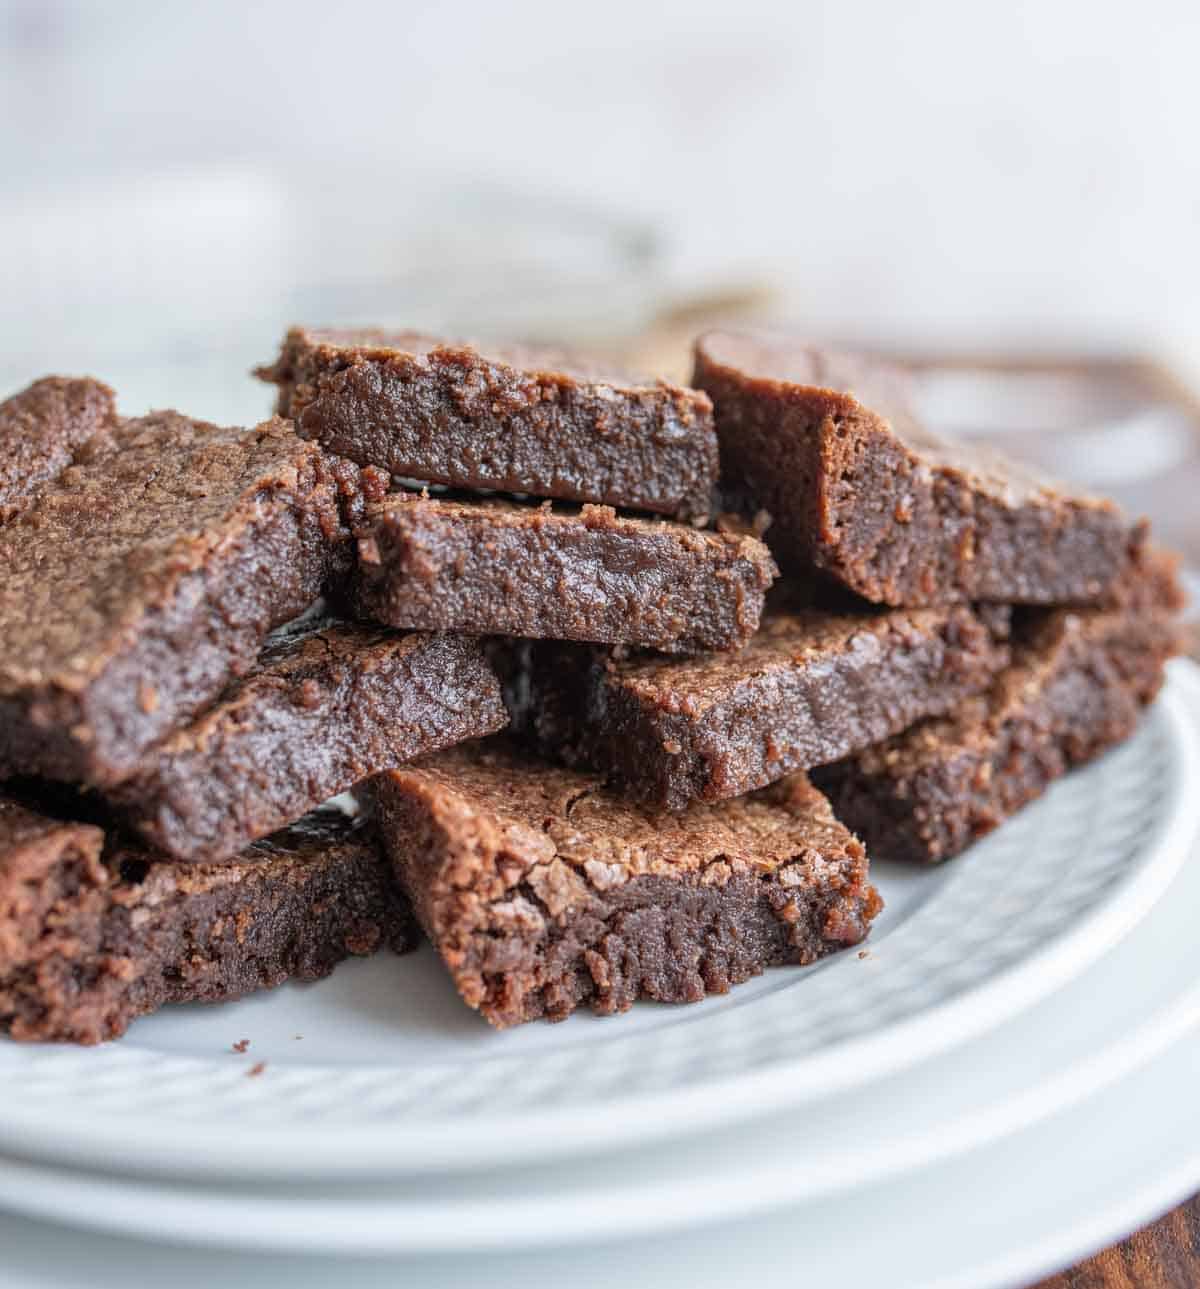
{"x":665,"y":347}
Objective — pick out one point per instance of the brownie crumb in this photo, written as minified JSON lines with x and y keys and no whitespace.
{"x":241,"y":1045}
{"x":256,"y":1069}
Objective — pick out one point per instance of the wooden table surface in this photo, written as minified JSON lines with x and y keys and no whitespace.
{"x":1166,"y":1255}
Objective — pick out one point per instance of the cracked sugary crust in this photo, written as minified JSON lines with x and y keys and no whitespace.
{"x":857,"y":488}
{"x":498,"y":568}
{"x":543,"y":892}
{"x":513,"y":419}
{"x":42,"y":427}
{"x":326,"y":706}
{"x":809,"y":688}
{"x":93,"y":936}
{"x":1078,"y":683}
{"x":147,"y":575}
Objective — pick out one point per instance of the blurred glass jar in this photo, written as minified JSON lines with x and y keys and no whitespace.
{"x":172,"y":285}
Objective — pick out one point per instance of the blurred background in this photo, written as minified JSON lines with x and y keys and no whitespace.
{"x":941,"y":179}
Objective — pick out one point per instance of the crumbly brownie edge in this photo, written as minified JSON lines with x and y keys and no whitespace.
{"x":589,"y":577}
{"x":848,"y":497}
{"x":42,"y":427}
{"x":454,"y":417}
{"x":357,"y":701}
{"x":1089,"y":699}
{"x":141,"y":934}
{"x":669,"y":940}
{"x":577,"y":707}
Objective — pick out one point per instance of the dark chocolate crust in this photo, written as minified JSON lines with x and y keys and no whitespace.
{"x":147,"y":576}
{"x":809,"y":688}
{"x":327,"y":704}
{"x":543,"y":892}
{"x":857,"y":488}
{"x":92,"y":937}
{"x":1077,"y":686}
{"x":498,"y":568}
{"x":40,"y":430}
{"x":512,"y":419}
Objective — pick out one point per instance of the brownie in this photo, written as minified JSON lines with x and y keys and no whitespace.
{"x":93,"y":935}
{"x":857,"y":488}
{"x":498,"y":568}
{"x":509,"y":418}
{"x":146,"y":576}
{"x":544,"y":892}
{"x":809,"y":688}
{"x":326,"y":705}
{"x":42,"y":427}
{"x":1077,"y":685}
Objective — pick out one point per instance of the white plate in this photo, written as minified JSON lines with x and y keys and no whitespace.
{"x":997,"y":1218}
{"x":405,"y":1079}
{"x":1114,"y":1018}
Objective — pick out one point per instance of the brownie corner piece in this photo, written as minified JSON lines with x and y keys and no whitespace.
{"x":95,"y":932}
{"x":41,"y":429}
{"x":147,"y":574}
{"x":499,"y":568}
{"x":327,"y":704}
{"x":543,"y":892}
{"x":857,"y":487}
{"x":503,"y":417}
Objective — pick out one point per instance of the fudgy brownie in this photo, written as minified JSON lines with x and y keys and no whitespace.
{"x":42,"y":427}
{"x":326,"y":705}
{"x":1077,"y":685}
{"x":146,"y":576}
{"x":859,"y":489}
{"x":93,"y":936}
{"x":498,"y":568}
{"x":809,"y":688}
{"x":544,"y":892}
{"x":514,"y":419}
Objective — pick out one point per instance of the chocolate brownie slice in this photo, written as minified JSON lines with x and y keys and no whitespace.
{"x":514,"y":419}
{"x":1077,"y":685}
{"x":543,"y":892}
{"x":146,"y":576}
{"x":498,"y":568}
{"x":94,"y":935}
{"x":810,"y":687}
{"x":42,"y":427}
{"x":859,"y":489}
{"x":326,"y":705}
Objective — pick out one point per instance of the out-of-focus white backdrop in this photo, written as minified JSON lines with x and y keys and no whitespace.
{"x":1009,"y":174}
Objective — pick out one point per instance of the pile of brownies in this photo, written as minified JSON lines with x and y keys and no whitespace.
{"x":530,"y":611}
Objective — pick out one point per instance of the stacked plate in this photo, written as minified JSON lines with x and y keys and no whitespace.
{"x":1001,"y":1081}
